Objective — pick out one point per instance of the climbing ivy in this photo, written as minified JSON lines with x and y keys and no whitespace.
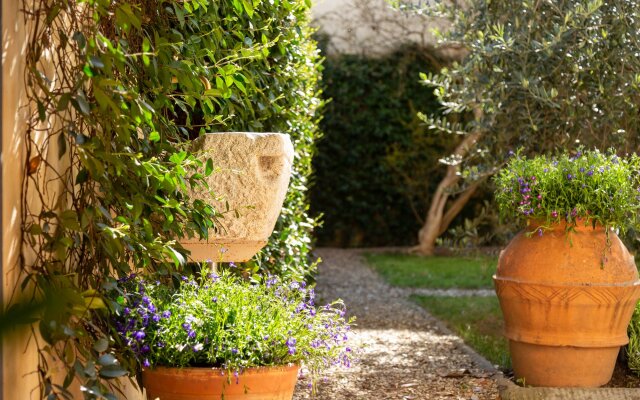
{"x":119,"y":89}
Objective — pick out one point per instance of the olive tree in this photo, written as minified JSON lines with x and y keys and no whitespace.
{"x":539,"y":75}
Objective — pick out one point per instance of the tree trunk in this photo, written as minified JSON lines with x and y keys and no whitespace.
{"x":437,"y":220}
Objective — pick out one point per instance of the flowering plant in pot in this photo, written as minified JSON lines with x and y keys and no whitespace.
{"x":567,"y":285}
{"x":214,"y":336}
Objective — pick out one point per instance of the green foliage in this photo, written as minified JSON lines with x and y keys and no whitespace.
{"x":477,"y":320}
{"x":543,"y":75}
{"x":125,"y":86}
{"x":224,"y":322}
{"x":589,"y":185}
{"x":375,"y":165}
{"x":434,"y":272}
{"x":633,"y":349}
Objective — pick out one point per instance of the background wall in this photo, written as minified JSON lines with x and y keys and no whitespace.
{"x":371,"y":27}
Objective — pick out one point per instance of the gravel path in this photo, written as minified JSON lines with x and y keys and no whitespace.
{"x":405,"y":352}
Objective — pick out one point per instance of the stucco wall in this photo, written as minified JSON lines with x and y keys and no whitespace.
{"x":371,"y":27}
{"x":19,"y":358}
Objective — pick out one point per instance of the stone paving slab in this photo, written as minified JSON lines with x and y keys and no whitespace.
{"x":510,"y":391}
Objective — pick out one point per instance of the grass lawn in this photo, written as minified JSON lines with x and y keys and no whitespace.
{"x":477,"y":320}
{"x":434,"y":272}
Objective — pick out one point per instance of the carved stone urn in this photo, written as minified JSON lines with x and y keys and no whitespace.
{"x":252,"y":175}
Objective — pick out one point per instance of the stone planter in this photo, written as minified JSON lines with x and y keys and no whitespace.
{"x":264,"y":383}
{"x":566,"y":314}
{"x":253,"y":171}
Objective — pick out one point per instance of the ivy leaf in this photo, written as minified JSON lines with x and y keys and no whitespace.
{"x":101,"y":345}
{"x":107,"y":359}
{"x":96,"y":62}
{"x":62,"y":145}
{"x":83,"y":105}
{"x":209,"y":167}
{"x":248,"y":7}
{"x":69,"y":220}
{"x":80,"y":39}
{"x":42,"y":111}
{"x":178,"y":259}
{"x":112,"y":371}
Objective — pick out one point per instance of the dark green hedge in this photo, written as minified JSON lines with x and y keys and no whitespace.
{"x":377,"y":162}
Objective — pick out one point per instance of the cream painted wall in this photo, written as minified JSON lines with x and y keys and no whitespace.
{"x":19,"y":358}
{"x":371,"y":27}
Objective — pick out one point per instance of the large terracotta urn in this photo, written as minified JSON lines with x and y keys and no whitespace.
{"x":251,"y":178}
{"x":567,"y":299}
{"x":264,"y":383}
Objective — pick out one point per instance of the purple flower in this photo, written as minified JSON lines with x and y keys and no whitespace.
{"x":126,"y":311}
{"x":291,"y":344}
{"x":569,"y":176}
{"x":186,"y":326}
{"x":166,"y":314}
{"x":590,"y":172}
{"x":146,"y":363}
{"x":139,"y":336}
{"x":191,"y":334}
{"x":156,"y":317}
{"x":554,"y":214}
{"x":145,"y":349}
{"x":234,"y":351}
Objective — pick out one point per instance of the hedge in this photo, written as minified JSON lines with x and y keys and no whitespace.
{"x":377,"y":162}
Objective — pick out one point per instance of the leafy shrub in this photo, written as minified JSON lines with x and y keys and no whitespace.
{"x":377,"y":163}
{"x":275,"y":90}
{"x":224,"y":322}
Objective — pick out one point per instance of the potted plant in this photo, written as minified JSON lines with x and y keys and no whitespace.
{"x":219,"y":336}
{"x":567,"y":285}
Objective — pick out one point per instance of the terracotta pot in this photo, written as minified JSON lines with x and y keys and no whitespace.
{"x":566,"y":314}
{"x":264,"y":383}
